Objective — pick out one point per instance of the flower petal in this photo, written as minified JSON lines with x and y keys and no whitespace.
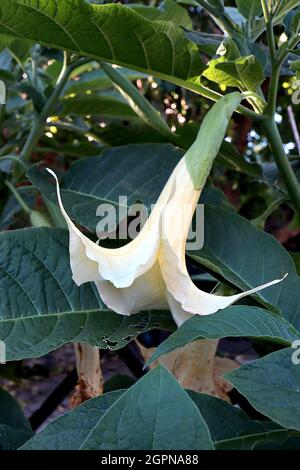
{"x":91,"y":262}
{"x":176,"y":221}
{"x":178,"y":313}
{"x":146,"y":292}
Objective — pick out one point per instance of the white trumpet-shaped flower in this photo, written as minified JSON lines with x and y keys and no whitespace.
{"x":150,"y":272}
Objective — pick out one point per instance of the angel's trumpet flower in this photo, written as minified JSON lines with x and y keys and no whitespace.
{"x":150,"y":271}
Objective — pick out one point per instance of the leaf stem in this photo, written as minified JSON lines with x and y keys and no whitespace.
{"x":273,"y":87}
{"x":86,"y":132}
{"x":139,"y":104}
{"x":269,"y":30}
{"x":40,"y":120}
{"x":215,"y":96}
{"x":14,"y":159}
{"x":282,"y":161}
{"x":17,"y":196}
{"x":261,"y":219}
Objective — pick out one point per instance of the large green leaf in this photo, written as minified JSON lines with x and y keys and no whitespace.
{"x":112,"y":32}
{"x":105,"y":106}
{"x":236,"y":321}
{"x":133,"y":132}
{"x":247,"y":257}
{"x":40,"y":306}
{"x":95,"y":80}
{"x":272,"y":386}
{"x":143,"y":417}
{"x":69,"y":431}
{"x":139,"y":173}
{"x":14,"y":427}
{"x":232,"y":429}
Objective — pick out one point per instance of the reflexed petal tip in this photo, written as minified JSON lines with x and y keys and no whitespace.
{"x":128,"y":279}
{"x":91,"y":262}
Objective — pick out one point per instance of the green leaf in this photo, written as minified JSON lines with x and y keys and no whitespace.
{"x":291,"y":22}
{"x":133,"y":132}
{"x":14,"y":427}
{"x":41,"y":308}
{"x":247,"y":257}
{"x":96,"y":80}
{"x":217,"y":4}
{"x":69,"y":431}
{"x":169,"y":10}
{"x":231,"y":428}
{"x":112,"y":33}
{"x":217,"y":75}
{"x":143,"y":417}
{"x":173,"y":11}
{"x":245,"y":73}
{"x":236,"y":321}
{"x":285,"y":7}
{"x":249,"y":9}
{"x":296,"y":258}
{"x":236,"y":16}
{"x":207,"y":43}
{"x":140,"y":173}
{"x":228,"y":49}
{"x":272,"y":386}
{"x":295,"y":26}
{"x":19,"y":49}
{"x":295,"y":65}
{"x":105,"y":106}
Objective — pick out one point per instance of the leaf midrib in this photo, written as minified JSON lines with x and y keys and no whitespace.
{"x":55,"y":314}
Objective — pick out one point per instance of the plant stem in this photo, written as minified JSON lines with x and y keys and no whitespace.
{"x":90,"y":378}
{"x":14,"y":159}
{"x":294,"y":127}
{"x":41,"y":118}
{"x":269,"y":30}
{"x":214,"y":96}
{"x":269,"y":124}
{"x":71,"y":127}
{"x":273,"y":87}
{"x":282,"y":162}
{"x":139,"y":104}
{"x":17,"y":196}
{"x":261,"y":219}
